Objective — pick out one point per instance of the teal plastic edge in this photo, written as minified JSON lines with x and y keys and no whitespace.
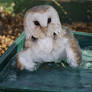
{"x":82,"y":33}
{"x":30,"y":90}
{"x":20,"y":41}
{"x":7,"y":55}
{"x":20,"y":38}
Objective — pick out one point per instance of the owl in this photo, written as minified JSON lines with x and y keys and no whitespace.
{"x":46,"y":40}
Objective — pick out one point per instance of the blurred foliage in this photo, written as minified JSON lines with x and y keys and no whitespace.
{"x":5,"y":8}
{"x":23,"y":5}
{"x":69,"y":10}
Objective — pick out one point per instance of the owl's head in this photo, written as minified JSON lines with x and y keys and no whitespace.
{"x":41,"y":21}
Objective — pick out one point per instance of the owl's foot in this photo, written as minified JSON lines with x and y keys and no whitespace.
{"x":19,"y":65}
{"x":25,"y":63}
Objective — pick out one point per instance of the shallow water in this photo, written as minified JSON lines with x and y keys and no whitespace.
{"x":47,"y":77}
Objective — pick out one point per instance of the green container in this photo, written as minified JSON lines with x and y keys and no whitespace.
{"x":49,"y":78}
{"x":46,"y":79}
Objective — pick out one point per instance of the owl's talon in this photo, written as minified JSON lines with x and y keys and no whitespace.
{"x":19,"y":65}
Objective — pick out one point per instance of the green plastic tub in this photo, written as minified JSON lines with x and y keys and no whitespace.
{"x":47,"y":79}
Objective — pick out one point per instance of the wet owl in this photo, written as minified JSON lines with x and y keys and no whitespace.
{"x":46,"y":40}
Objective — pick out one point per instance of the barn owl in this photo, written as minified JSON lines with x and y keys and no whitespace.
{"x":46,"y":40}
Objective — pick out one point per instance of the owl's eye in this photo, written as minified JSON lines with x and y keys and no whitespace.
{"x":36,"y":23}
{"x":49,"y":20}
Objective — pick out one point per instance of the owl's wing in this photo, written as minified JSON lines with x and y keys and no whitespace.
{"x":73,"y":51}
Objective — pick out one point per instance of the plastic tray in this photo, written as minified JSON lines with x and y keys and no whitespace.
{"x":46,"y":78}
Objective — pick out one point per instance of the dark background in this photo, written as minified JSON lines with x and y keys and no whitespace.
{"x":69,"y":11}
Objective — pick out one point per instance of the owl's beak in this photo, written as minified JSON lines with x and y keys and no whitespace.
{"x":43,"y":29}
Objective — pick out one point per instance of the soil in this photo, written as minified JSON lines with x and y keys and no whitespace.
{"x":12,"y":26}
